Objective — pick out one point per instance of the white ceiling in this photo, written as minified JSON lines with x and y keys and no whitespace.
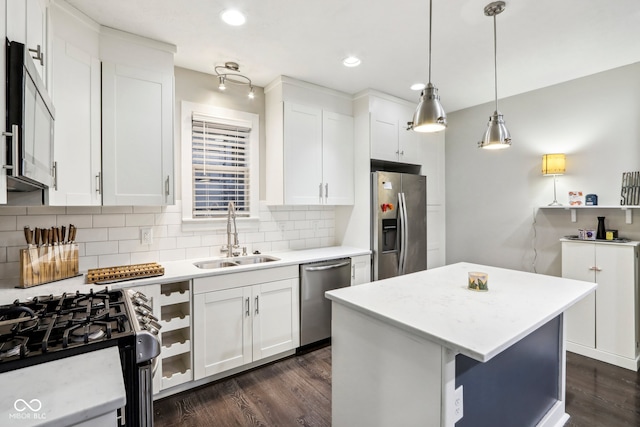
{"x":540,"y":42}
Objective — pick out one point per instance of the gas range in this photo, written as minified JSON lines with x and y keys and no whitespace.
{"x":52,"y":327}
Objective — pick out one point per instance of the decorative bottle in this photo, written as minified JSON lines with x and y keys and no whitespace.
{"x":602,"y":233}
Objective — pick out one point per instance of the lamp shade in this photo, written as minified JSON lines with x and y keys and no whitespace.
{"x":497,"y":135}
{"x":553,"y":164}
{"x":429,"y":115}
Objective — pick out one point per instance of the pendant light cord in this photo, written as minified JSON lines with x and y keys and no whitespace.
{"x":495,"y":60}
{"x":430,"y":18}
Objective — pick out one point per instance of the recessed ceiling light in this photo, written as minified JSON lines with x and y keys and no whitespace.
{"x":351,"y":61}
{"x":233,"y":17}
{"x":418,"y":86}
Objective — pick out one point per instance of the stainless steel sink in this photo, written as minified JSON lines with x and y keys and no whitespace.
{"x":234,"y":262}
{"x":257,"y":259}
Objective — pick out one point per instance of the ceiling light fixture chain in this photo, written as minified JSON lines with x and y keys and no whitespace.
{"x":230,"y":73}
{"x":497,"y":135}
{"x":429,"y":115}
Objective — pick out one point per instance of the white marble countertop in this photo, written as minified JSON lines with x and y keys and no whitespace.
{"x":176,"y":271}
{"x":436,"y":305}
{"x":605,"y":242}
{"x":63,"y":392}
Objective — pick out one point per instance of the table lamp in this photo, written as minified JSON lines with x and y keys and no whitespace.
{"x":553,"y":165}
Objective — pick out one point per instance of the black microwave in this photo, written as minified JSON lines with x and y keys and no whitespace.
{"x":30,"y":120}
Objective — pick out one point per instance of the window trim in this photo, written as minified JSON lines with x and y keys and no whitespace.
{"x":229,"y":116}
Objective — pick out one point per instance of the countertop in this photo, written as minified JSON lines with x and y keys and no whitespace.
{"x":63,"y":392}
{"x":175,"y":271}
{"x":436,"y":305}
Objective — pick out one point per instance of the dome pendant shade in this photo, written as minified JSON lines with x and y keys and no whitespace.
{"x":497,"y":135}
{"x":429,"y":115}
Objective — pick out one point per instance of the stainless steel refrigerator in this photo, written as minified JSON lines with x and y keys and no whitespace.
{"x":399,"y":224}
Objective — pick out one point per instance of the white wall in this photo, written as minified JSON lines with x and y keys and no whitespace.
{"x":492,"y":196}
{"x":110,"y":236}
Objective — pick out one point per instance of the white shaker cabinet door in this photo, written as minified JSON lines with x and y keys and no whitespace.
{"x":337,"y":158}
{"x":616,"y":300}
{"x":384,"y":138}
{"x":76,"y":96}
{"x":275,"y":318}
{"x":408,"y":140}
{"x":360,"y":269}
{"x":577,"y":263}
{"x":137,"y":135}
{"x":302,"y":155}
{"x":222,"y":331}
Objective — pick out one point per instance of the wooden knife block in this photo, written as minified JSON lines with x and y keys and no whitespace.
{"x":48,"y":264}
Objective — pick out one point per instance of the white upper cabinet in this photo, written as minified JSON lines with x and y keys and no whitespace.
{"x":337,"y":158}
{"x":302,"y":155}
{"x":318,"y":156}
{"x":310,"y":151}
{"x":27,"y":23}
{"x":76,"y":96}
{"x":137,"y":120}
{"x":390,"y":139}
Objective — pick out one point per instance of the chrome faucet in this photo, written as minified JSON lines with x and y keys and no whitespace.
{"x":229,"y":249}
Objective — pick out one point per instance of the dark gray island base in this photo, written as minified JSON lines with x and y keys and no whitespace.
{"x":519,"y":386}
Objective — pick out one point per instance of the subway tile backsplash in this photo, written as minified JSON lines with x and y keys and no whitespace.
{"x":110,"y":235}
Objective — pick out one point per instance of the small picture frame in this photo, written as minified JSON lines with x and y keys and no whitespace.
{"x":576,"y":198}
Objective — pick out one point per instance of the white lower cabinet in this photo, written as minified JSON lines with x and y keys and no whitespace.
{"x":605,"y":324}
{"x":360,"y":269}
{"x":235,"y":325}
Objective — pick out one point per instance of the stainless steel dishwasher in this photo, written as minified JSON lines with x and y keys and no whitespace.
{"x":315,"y":310}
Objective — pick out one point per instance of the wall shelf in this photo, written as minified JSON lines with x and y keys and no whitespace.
{"x":628,"y":209}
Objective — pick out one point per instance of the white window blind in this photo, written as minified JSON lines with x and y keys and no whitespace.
{"x":220,"y":167}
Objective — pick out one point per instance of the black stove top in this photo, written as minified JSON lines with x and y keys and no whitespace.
{"x":51,"y":327}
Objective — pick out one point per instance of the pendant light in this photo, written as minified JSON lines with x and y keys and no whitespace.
{"x":429,"y":115}
{"x":497,"y":135}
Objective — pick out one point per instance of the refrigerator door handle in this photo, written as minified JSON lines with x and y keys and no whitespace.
{"x":402,"y":232}
{"x":405,"y":242}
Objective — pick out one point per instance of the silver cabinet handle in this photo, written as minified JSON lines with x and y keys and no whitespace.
{"x":320,"y":192}
{"x":166,"y":186}
{"x":326,"y":191}
{"x":327,"y":267}
{"x":353,"y":272}
{"x":257,"y":304}
{"x":55,"y":175}
{"x":247,"y":311}
{"x":98,"y":183}
{"x":594,"y":268}
{"x":39,"y":54}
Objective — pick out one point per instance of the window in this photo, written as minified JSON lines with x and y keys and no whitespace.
{"x":220,"y":163}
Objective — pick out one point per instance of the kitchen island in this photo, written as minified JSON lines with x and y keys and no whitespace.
{"x":422,"y":349}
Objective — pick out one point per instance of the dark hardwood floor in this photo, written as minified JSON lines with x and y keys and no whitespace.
{"x":297,"y":392}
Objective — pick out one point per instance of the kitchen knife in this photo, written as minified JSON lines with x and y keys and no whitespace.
{"x":55,"y":234}
{"x":32,"y":251}
{"x":72,"y":233}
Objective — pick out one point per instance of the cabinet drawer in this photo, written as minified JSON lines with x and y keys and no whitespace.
{"x":243,"y":278}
